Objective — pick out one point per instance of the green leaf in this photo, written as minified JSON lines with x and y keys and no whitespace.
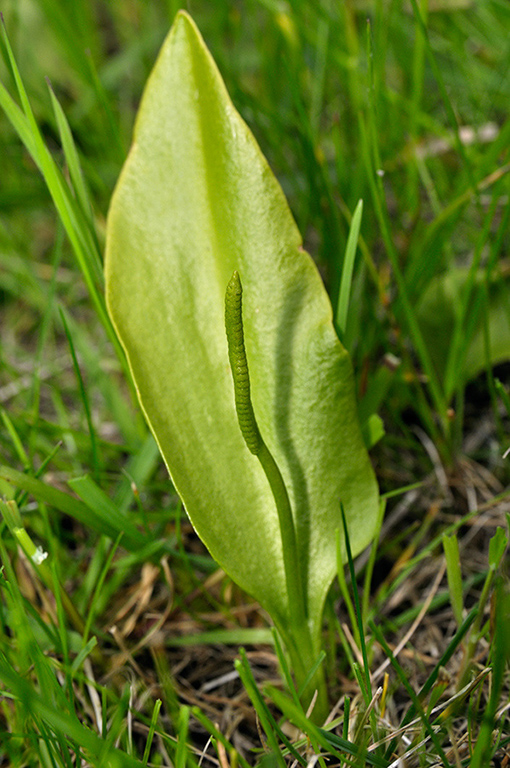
{"x":347,"y":270}
{"x":77,"y":225}
{"x":497,"y":547}
{"x":62,"y":722}
{"x":454,"y":574}
{"x":98,"y":518}
{"x":372,"y":430}
{"x":72,"y":159}
{"x":330,"y":743}
{"x":196,"y":200}
{"x":437,"y":311}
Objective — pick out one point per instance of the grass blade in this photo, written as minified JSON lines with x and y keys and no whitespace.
{"x":72,"y":159}
{"x":413,"y":696}
{"x":347,"y":270}
{"x":74,"y":221}
{"x":84,"y":398}
{"x":62,"y":722}
{"x":99,"y":521}
{"x":217,"y":734}
{"x":152,"y":730}
{"x":359,"y":616}
{"x":454,"y":574}
{"x":443,"y":661}
{"x":337,"y":746}
{"x":266,"y":719}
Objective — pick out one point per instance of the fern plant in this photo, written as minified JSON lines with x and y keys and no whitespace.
{"x":195,"y":203}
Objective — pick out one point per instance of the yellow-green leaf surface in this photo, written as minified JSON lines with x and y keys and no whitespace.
{"x":196,"y":200}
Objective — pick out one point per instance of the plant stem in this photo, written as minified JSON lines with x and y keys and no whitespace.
{"x":256,"y":445}
{"x":303,"y":655}
{"x":302,"y":649}
{"x":295,"y":591}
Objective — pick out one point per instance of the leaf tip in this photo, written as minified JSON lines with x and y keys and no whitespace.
{"x":184,"y":20}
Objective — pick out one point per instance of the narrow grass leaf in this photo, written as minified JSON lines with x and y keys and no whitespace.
{"x":320,"y":69}
{"x":138,"y":470}
{"x":124,"y":412}
{"x":426,"y":266}
{"x":56,"y":184}
{"x":43,"y":333}
{"x":63,"y":632}
{"x":367,"y":582}
{"x":359,"y":615}
{"x":454,"y":575}
{"x":82,"y":655}
{"x":284,"y":667}
{"x":468,"y":309}
{"x":64,"y":502}
{"x":211,"y":728}
{"x":18,"y":121}
{"x":402,"y":490}
{"x":408,"y":310}
{"x":483,"y":600}
{"x":181,"y":753}
{"x":244,"y":636}
{"x":413,"y":696}
{"x":106,"y":104}
{"x":347,"y":271}
{"x":342,"y":581}
{"x":500,"y":658}
{"x":84,"y":398}
{"x":503,"y":394}
{"x":104,"y":508}
{"x":35,"y":554}
{"x":497,"y":547}
{"x":152,"y":731}
{"x":337,"y":746}
{"x":370,"y":148}
{"x":16,"y":440}
{"x":102,"y":576}
{"x":441,"y":664}
{"x":63,"y":723}
{"x":266,"y":719}
{"x":74,"y":221}
{"x":449,"y":107}
{"x":347,"y":714}
{"x":372,"y":430}
{"x":72,"y":160}
{"x":312,"y":672}
{"x":19,"y":607}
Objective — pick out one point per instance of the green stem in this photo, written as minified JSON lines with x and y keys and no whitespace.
{"x":255,"y":443}
{"x":303,"y":654}
{"x":303,"y":651}
{"x":297,"y":602}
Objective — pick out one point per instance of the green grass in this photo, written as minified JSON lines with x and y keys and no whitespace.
{"x":112,"y":647}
